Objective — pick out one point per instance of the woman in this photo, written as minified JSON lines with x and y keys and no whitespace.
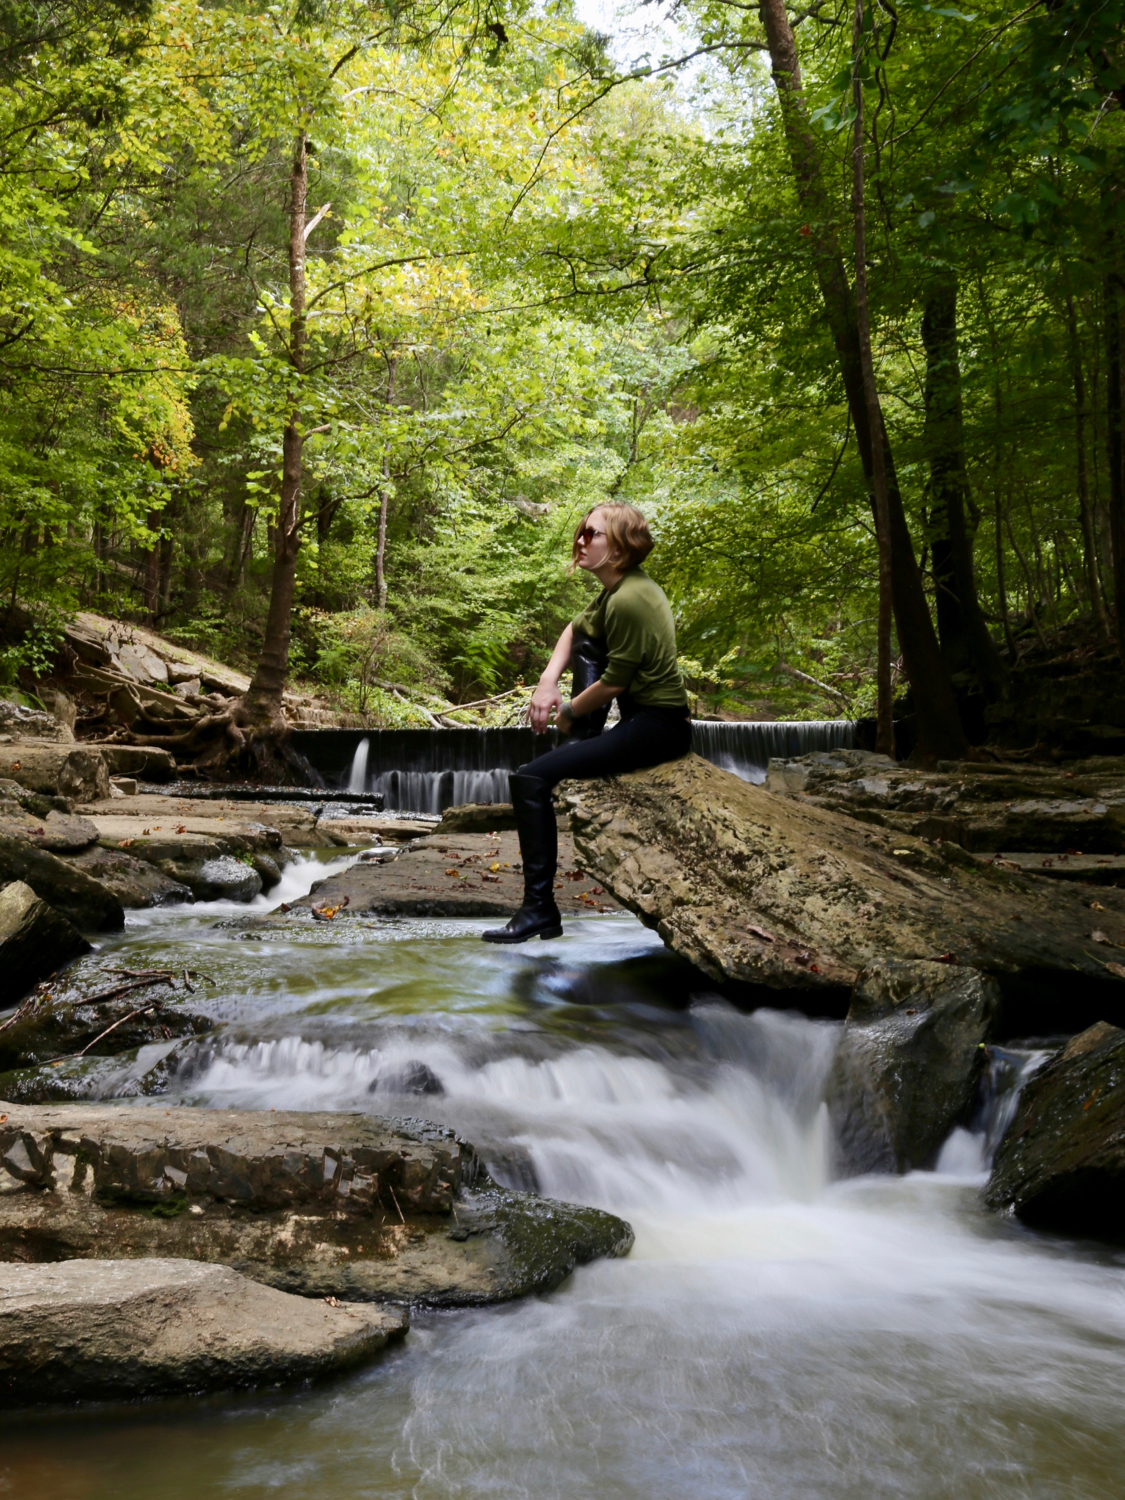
{"x":632,"y":622}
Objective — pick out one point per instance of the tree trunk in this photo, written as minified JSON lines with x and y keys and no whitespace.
{"x":262,"y":703}
{"x":384,"y":501}
{"x":884,"y":722}
{"x":939,"y":723}
{"x":152,"y":570}
{"x":965,"y":641}
{"x":1115,"y":454}
{"x":1085,"y":505}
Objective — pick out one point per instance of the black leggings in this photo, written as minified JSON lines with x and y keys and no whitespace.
{"x":644,"y":737}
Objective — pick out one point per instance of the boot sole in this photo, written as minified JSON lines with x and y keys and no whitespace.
{"x":552,"y":932}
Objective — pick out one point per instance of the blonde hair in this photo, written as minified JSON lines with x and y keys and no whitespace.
{"x":626,"y":532}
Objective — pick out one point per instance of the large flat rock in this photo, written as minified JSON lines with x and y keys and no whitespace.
{"x":117,"y":1329}
{"x":773,"y":891}
{"x":340,"y":1205}
{"x":177,"y":817}
{"x":450,"y":875}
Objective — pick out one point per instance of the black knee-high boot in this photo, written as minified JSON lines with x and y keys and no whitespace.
{"x":539,"y":915}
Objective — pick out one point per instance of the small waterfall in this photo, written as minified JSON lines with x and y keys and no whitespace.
{"x":434,"y":791}
{"x":357,"y":777}
{"x":747,"y":746}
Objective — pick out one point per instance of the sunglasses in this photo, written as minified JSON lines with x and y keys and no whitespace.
{"x":587,"y":535}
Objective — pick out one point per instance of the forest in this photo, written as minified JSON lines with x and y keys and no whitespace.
{"x":322,"y":323}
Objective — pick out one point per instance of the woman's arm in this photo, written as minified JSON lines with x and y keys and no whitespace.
{"x":597,"y":695}
{"x":547,"y":696}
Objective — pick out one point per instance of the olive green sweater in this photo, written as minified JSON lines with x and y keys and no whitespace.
{"x":636,"y":621}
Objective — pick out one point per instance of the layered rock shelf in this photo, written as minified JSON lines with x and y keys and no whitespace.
{"x":777,"y":892}
{"x":324,"y":1205}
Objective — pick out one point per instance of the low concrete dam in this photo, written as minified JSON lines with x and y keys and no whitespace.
{"x":428,"y":770}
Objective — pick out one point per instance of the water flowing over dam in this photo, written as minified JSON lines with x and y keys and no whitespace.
{"x":428,"y":770}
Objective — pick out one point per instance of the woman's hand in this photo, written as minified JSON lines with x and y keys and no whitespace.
{"x":545,"y":698}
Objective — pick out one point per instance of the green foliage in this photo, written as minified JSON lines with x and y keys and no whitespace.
{"x":526,"y":295}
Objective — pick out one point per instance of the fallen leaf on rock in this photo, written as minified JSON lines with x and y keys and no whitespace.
{"x":1098,"y":936}
{"x":1117,"y":969}
{"x":492,"y":879}
{"x":597,"y":891}
{"x":145,"y":831}
{"x":125,"y":844}
{"x":333,"y":1302}
{"x":1076,"y":852}
{"x":944,"y":958}
{"x":1096,"y":906}
{"x":574,"y":875}
{"x":181,"y":829}
{"x":494,"y":866}
{"x":760,"y":932}
{"x":900,"y":851}
{"x":455,"y":873}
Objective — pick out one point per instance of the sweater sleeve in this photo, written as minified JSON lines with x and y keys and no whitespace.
{"x":624,"y":637}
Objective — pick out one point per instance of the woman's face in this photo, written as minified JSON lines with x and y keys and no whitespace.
{"x":592,"y":553}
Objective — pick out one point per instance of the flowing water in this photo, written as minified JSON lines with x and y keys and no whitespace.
{"x":774,"y":1334}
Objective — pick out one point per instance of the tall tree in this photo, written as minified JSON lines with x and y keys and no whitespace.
{"x":940,"y":733}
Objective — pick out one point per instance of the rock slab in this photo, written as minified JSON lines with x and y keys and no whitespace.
{"x":35,"y":941}
{"x":770,"y":890}
{"x":118,"y":1329}
{"x":908,"y":1064}
{"x":337,"y":1205}
{"x":1061,"y":1163}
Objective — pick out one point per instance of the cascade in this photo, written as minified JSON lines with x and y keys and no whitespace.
{"x":428,"y":770}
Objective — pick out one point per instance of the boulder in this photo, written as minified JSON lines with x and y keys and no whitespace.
{"x":135,"y":882}
{"x":35,"y":941}
{"x":57,"y":832}
{"x":321,"y":1204}
{"x":63,"y":883}
{"x":769,"y":890}
{"x":224,"y":878}
{"x":477,"y":817}
{"x":144,"y":761}
{"x":909,"y":1063}
{"x":1061,"y":1162}
{"x":116,"y":1329}
{"x":78,"y":771}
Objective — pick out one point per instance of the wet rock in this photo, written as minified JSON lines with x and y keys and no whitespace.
{"x":116,"y":1329}
{"x":412,"y":1078}
{"x":269,"y":871}
{"x":321,"y":1204}
{"x":60,"y":770}
{"x":57,"y":832}
{"x":50,"y":1026}
{"x":35,"y":941}
{"x":908,"y":1064}
{"x":1061,"y":1163}
{"x":142,"y":1072}
{"x":135,"y":882}
{"x":764,"y":889}
{"x":62,"y":883}
{"x":222,"y":879}
{"x":477,"y":817}
{"x":461,"y":875}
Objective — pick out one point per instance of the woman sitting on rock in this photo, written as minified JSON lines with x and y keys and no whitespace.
{"x":628,"y":636}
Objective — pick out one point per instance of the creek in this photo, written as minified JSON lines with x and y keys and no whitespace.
{"x":775,"y":1334}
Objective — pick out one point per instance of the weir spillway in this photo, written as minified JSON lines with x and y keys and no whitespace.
{"x":428,"y":770}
